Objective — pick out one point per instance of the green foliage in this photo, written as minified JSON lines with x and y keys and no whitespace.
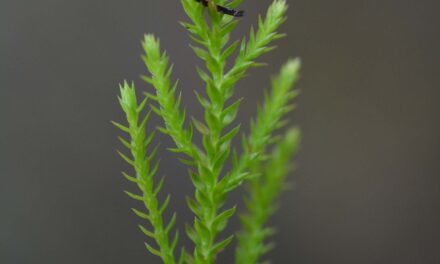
{"x":265,"y":173}
{"x":145,"y":170}
{"x":261,"y":203}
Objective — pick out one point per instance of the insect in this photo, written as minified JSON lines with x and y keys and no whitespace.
{"x":224,"y":10}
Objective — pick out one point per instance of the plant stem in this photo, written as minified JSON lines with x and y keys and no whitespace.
{"x":261,"y":204}
{"x":144,"y":175}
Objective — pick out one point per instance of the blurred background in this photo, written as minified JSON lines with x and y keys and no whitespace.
{"x":367,"y":185}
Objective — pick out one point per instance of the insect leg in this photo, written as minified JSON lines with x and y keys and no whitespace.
{"x":224,"y":10}
{"x":229,"y":11}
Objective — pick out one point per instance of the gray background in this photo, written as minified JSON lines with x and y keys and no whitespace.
{"x":367,"y":187}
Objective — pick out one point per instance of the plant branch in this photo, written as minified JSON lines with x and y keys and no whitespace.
{"x":145,"y":171}
{"x":261,"y":202}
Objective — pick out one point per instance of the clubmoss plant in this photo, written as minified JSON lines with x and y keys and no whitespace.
{"x":261,"y":164}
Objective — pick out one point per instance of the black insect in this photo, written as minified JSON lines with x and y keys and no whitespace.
{"x":225,"y":10}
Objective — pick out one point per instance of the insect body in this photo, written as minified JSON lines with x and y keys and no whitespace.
{"x":224,"y":10}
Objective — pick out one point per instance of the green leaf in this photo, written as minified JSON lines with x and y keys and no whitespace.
{"x":228,"y":52}
{"x":146,"y":232}
{"x":141,"y":214}
{"x":159,"y":186}
{"x":153,"y":250}
{"x":128,"y":160}
{"x":134,"y":196}
{"x":221,"y":245}
{"x":230,"y":135}
{"x":230,"y":112}
{"x":130,"y":178}
{"x":221,"y":220}
{"x":200,"y":126}
{"x":175,"y":240}
{"x":165,"y":204}
{"x":121,"y":127}
{"x":193,"y":205}
{"x":125,"y":143}
{"x":191,"y":233}
{"x":201,"y":53}
{"x":171,"y":223}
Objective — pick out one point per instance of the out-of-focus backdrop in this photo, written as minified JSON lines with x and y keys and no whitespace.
{"x":367,"y":184}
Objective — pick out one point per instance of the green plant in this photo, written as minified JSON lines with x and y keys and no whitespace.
{"x":263,"y":161}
